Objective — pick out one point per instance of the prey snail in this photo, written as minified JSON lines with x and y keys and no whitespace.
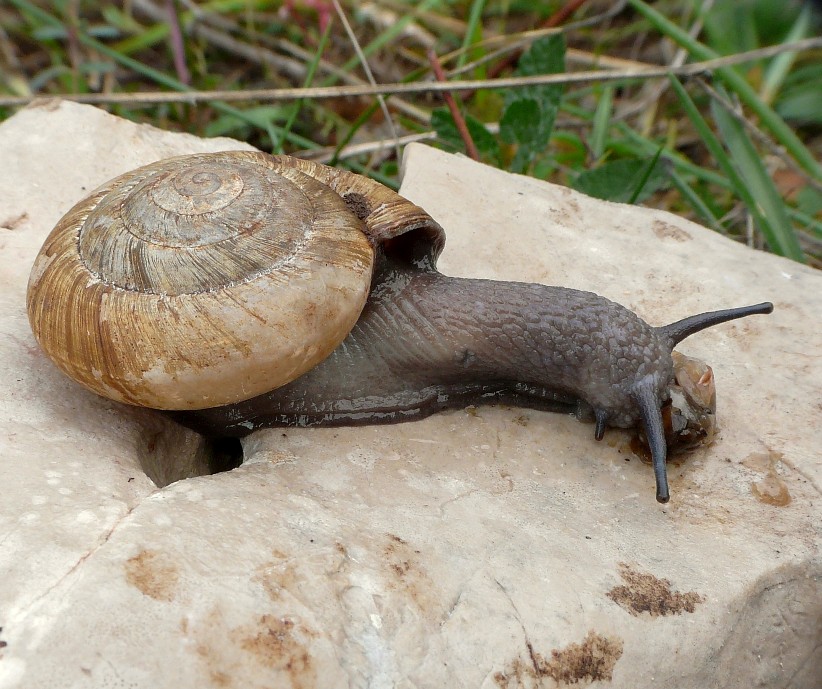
{"x":243,"y":290}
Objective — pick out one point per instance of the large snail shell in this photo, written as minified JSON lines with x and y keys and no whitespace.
{"x":200,"y":281}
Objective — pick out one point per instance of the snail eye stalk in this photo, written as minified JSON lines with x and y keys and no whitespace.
{"x":678,"y":331}
{"x":655,"y":432}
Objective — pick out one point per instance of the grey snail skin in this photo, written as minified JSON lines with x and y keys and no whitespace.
{"x":239,"y":290}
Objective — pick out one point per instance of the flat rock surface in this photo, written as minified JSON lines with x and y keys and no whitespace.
{"x":487,"y":547}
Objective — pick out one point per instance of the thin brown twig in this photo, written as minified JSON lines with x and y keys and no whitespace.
{"x":328,"y":153}
{"x":192,"y":96}
{"x":448,"y":97}
{"x":563,"y":14}
{"x":573,"y":56}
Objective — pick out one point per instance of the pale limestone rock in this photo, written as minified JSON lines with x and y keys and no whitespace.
{"x":487,"y":548}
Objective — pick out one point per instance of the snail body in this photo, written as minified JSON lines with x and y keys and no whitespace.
{"x":186,"y":286}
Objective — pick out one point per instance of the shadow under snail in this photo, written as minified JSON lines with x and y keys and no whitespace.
{"x":243,"y":290}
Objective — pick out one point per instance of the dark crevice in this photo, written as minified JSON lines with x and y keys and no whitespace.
{"x":224,"y":454}
{"x":169,"y":452}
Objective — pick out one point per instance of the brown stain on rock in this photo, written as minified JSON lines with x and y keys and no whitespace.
{"x":267,"y":651}
{"x":154,"y":573}
{"x":279,"y":644}
{"x":400,"y":556}
{"x":592,"y":660}
{"x":665,"y":230}
{"x":277,"y":578}
{"x":407,"y":576}
{"x":283,"y":575}
{"x":13,"y":222}
{"x":647,"y":593}
{"x":770,"y":489}
{"x":208,"y":637}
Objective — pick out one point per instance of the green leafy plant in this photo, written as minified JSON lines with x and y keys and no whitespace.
{"x":737,"y":148}
{"x":528,"y":114}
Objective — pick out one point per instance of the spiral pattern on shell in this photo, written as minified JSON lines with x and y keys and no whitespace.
{"x":199,"y":281}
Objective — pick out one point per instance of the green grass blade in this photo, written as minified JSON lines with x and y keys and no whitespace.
{"x":695,"y":202}
{"x":808,"y":223}
{"x":362,"y":118}
{"x":473,"y":30}
{"x":739,"y":184}
{"x":646,"y":175}
{"x":155,"y":75}
{"x":277,"y":144}
{"x":778,"y":229}
{"x":147,"y":38}
{"x":646,"y":147}
{"x":602,"y":122}
{"x":636,"y":145}
{"x":737,"y":83}
{"x":778,"y":68}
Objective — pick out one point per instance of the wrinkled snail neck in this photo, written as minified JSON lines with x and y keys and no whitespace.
{"x":650,"y":412}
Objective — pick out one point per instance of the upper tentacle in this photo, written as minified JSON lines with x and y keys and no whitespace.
{"x":679,"y":330}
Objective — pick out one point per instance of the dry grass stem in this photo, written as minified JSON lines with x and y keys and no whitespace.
{"x":319,"y":92}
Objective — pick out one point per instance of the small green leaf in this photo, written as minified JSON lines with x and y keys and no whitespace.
{"x":447,"y":132}
{"x":520,"y":122}
{"x":485,"y":141}
{"x":443,"y":124}
{"x":262,"y":117}
{"x":545,"y":56}
{"x":623,"y":180}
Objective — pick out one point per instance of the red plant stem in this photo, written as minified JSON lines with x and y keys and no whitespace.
{"x":459,"y":120}
{"x":562,"y":14}
{"x":177,"y":45}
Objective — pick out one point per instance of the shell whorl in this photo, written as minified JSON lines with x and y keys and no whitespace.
{"x":197,"y":225}
{"x":200,"y":280}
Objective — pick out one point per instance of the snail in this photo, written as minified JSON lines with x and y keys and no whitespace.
{"x":239,"y":290}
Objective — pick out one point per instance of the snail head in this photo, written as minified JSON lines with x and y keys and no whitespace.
{"x":644,"y":392}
